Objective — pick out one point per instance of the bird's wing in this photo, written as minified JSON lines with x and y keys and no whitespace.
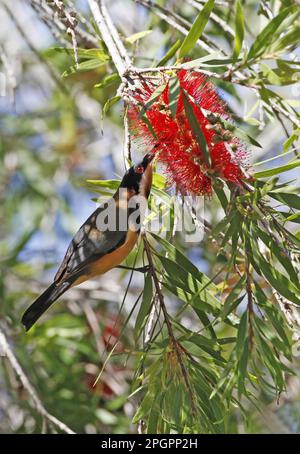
{"x":88,"y":244}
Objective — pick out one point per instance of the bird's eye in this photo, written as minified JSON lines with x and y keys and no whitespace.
{"x":139,"y":169}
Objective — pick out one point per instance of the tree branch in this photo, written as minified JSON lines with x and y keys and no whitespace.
{"x":54,"y":76}
{"x":176,"y":346}
{"x":113,"y":49}
{"x":114,"y":33}
{"x":8,"y":353}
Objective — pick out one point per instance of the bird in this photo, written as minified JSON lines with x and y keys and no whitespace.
{"x":95,"y":250}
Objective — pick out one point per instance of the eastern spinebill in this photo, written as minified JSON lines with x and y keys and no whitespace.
{"x":94,"y":251}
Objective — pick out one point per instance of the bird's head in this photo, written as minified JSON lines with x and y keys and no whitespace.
{"x":139,"y":177}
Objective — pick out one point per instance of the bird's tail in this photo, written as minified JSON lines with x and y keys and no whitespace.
{"x":43,"y":302}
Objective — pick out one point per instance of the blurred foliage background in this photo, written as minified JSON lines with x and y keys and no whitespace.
{"x":55,"y":137}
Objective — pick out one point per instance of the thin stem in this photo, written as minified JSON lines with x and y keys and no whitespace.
{"x":250,"y":303}
{"x":113,"y":50}
{"x":8,"y":353}
{"x":54,"y":76}
{"x":177,"y":348}
{"x":127,"y":138}
{"x":114,"y":33}
{"x":165,"y":15}
{"x":214,"y":18}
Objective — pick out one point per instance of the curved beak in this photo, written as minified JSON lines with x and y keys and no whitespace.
{"x":148,"y":158}
{"x":146,"y":182}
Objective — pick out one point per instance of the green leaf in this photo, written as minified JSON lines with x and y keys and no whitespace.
{"x":277,"y":76}
{"x":205,"y":303}
{"x":153,"y":417}
{"x":155,"y":95}
{"x":222,"y":224}
{"x":174,"y":91}
{"x":293,"y":138}
{"x":291,"y":38}
{"x":145,"y":306}
{"x":182,"y":278}
{"x":171,"y":52}
{"x":276,"y":279}
{"x":242,"y":368}
{"x":235,"y":226}
{"x":278,"y":252}
{"x":208,"y":61}
{"x":196,"y":29}
{"x":149,"y":125}
{"x":107,"y":184}
{"x":233,"y":299}
{"x":239,"y":29}
{"x":291,"y":200}
{"x":82,"y":53}
{"x":220,"y":193}
{"x":237,"y":131}
{"x":269,"y":358}
{"x":144,"y":408}
{"x":159,"y":181}
{"x":268,"y":34}
{"x":196,"y":128}
{"x":292,"y":218}
{"x":277,"y":170}
{"x":108,"y":80}
{"x":242,"y":333}
{"x":272,"y":313}
{"x":84,"y":66}
{"x":109,"y":103}
{"x":136,"y":36}
{"x":208,"y":345}
{"x":179,"y":258}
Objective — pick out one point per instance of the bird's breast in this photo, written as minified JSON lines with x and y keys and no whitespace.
{"x":110,"y":260}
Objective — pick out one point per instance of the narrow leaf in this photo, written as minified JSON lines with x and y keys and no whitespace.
{"x":239,"y":29}
{"x":196,"y":128}
{"x":155,"y":95}
{"x":145,"y":305}
{"x":109,"y":103}
{"x":171,"y":52}
{"x":87,"y":65}
{"x":277,"y":170}
{"x":174,"y":91}
{"x":136,"y":36}
{"x":196,"y":29}
{"x":268,"y":34}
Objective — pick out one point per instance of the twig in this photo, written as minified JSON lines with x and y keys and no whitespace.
{"x":8,"y":353}
{"x":107,"y":37}
{"x":114,"y":33}
{"x":51,"y":70}
{"x":173,"y":23}
{"x":288,"y":115}
{"x":177,"y":348}
{"x":250,"y":304}
{"x":127,"y":138}
{"x":296,"y":153}
{"x":9,"y":72}
{"x":162,"y":69}
{"x":47,"y":14}
{"x":70,"y":21}
{"x":150,"y":324}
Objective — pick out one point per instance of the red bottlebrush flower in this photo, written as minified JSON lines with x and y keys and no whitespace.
{"x":101,"y":388}
{"x":111,"y":334}
{"x":171,"y":137}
